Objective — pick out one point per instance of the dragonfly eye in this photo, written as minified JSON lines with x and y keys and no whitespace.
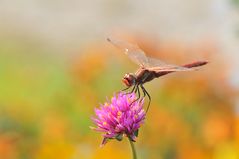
{"x":128,"y":80}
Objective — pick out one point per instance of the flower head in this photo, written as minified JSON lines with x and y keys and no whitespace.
{"x":122,"y":116}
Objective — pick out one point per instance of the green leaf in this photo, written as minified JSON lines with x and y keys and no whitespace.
{"x":119,"y":137}
{"x":136,"y":132}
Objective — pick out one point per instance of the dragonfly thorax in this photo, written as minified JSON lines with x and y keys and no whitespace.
{"x":129,"y":79}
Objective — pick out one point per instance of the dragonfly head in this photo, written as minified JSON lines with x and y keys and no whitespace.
{"x":129,"y":79}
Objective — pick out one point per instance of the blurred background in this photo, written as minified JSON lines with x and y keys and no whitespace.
{"x":56,"y":67}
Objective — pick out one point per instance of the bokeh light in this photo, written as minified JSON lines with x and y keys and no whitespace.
{"x":56,"y":66}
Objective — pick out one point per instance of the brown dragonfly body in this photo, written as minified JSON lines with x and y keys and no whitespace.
{"x":150,"y":68}
{"x":143,"y":75}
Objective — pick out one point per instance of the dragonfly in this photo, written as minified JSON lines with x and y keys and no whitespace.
{"x":149,"y":68}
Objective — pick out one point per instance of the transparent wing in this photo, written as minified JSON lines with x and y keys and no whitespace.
{"x":158,"y":65}
{"x":138,"y":56}
{"x":132,"y":51}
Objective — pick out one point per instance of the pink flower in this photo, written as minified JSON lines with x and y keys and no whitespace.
{"x":122,"y":116}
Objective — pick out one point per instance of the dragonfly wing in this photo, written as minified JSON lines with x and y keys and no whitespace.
{"x":160,"y":66}
{"x":132,"y":51}
{"x":138,"y":56}
{"x":168,"y":69}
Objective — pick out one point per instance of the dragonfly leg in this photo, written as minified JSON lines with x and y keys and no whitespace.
{"x":131,"y":90}
{"x":136,"y":91}
{"x":125,"y":89}
{"x":145,"y":92}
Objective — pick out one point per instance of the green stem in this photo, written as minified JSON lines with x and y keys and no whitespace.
{"x":133,"y":148}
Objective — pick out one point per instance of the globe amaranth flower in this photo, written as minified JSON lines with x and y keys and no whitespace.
{"x":122,"y":116}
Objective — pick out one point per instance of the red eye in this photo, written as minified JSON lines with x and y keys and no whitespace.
{"x":126,"y":82}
